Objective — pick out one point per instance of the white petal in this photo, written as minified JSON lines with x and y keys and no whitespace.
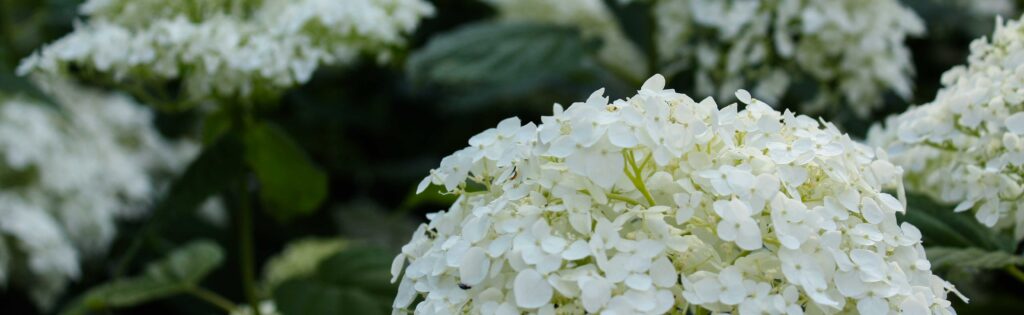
{"x":531,"y":290}
{"x":405,"y":295}
{"x":621,"y":136}
{"x":596,"y":293}
{"x":871,"y":211}
{"x":553,"y":245}
{"x":509,"y":126}
{"x":890,"y":203}
{"x":663,"y":273}
{"x":578,"y":250}
{"x":396,"y":267}
{"x":872,"y":265}
{"x":639,"y":282}
{"x":749,"y":237}
{"x":474,"y":266}
{"x":873,"y":305}
{"x":727,"y":230}
{"x":1015,"y":123}
{"x":423,"y":185}
{"x":655,"y":83}
{"x":743,"y":96}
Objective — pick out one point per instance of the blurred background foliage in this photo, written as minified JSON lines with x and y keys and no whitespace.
{"x":376,"y":130}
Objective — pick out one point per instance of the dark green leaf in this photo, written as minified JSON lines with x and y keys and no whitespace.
{"x":948,"y":257}
{"x":177,"y":273}
{"x":940,"y":226}
{"x":218,"y":167}
{"x":499,"y":58}
{"x":215,"y":125}
{"x":354,"y":281}
{"x":290,"y":184}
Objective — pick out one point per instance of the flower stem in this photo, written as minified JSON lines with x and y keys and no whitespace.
{"x":212,"y":298}
{"x":1015,"y":272}
{"x":622,"y":198}
{"x":245,"y":246}
{"x":635,"y":176}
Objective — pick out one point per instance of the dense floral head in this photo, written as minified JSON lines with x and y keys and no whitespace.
{"x":227,"y":48}
{"x":67,"y":174}
{"x":852,"y":50}
{"x":657,"y":203}
{"x":967,"y":146}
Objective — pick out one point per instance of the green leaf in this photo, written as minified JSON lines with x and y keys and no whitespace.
{"x":217,"y":168}
{"x":353,"y":281}
{"x":290,"y":184}
{"x":492,"y":59}
{"x":940,"y":226}
{"x":948,"y":257}
{"x":215,"y":125}
{"x":177,"y":273}
{"x":299,"y":258}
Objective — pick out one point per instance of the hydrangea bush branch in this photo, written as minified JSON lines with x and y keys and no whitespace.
{"x":966,"y":147}
{"x":68,"y":174}
{"x":657,"y":203}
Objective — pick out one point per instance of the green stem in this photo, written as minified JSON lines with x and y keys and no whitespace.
{"x":622,"y":198}
{"x":1015,"y":272}
{"x":213,"y":298}
{"x":245,"y":246}
{"x":635,"y":176}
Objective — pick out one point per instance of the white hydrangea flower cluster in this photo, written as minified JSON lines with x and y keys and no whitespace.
{"x":655,"y":203}
{"x":594,"y":19}
{"x":67,"y":174}
{"x":852,"y":49}
{"x":967,"y":146}
{"x":228,"y":48}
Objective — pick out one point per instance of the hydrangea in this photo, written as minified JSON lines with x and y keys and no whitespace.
{"x":967,"y":146}
{"x":594,"y":19}
{"x":853,"y":50}
{"x":227,"y":48}
{"x":67,"y":174}
{"x":658,"y":202}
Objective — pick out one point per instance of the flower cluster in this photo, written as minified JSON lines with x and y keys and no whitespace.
{"x":852,"y":49}
{"x":658,"y":202}
{"x":967,"y":146}
{"x":227,"y":48}
{"x":594,"y":19}
{"x":67,"y":174}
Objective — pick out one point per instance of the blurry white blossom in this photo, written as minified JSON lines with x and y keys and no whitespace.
{"x":67,"y":173}
{"x":851,"y":51}
{"x":655,"y":202}
{"x":266,"y":308}
{"x":967,"y":146}
{"x":228,"y":48}
{"x":594,"y":19}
